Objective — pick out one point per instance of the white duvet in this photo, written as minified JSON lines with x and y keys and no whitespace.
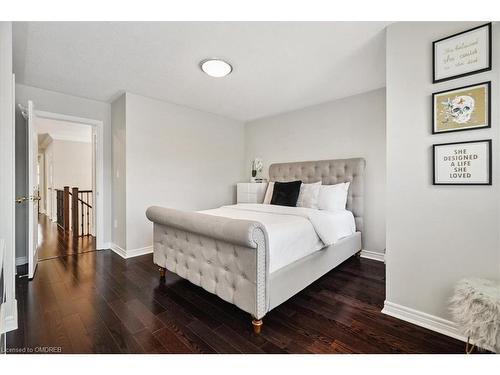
{"x":294,"y":232}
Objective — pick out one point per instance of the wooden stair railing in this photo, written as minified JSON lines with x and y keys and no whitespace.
{"x":74,"y":210}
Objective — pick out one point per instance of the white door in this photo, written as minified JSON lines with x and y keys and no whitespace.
{"x":33,"y":194}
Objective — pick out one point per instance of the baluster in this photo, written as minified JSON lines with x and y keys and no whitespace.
{"x":74,"y":207}
{"x":88,"y":216}
{"x":81,"y":224}
{"x":65,"y":212}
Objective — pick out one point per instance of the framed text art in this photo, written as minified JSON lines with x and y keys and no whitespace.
{"x":462,"y":54}
{"x":462,"y":163}
{"x":463,"y":108}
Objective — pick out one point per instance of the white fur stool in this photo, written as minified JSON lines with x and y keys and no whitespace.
{"x":475,"y":307}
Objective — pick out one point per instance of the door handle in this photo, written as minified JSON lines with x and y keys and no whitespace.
{"x":21,"y":199}
{"x":35,"y":198}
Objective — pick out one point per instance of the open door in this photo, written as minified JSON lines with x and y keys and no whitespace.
{"x":94,"y":185}
{"x":33,"y":192}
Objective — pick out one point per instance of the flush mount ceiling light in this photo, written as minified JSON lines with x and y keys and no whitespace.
{"x":216,"y":67}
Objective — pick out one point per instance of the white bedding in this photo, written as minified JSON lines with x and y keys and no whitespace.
{"x":294,"y":232}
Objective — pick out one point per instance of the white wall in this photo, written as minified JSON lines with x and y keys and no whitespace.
{"x":42,"y":185}
{"x":345,"y":128}
{"x":7,"y":169}
{"x":177,"y":157}
{"x":119,"y":197}
{"x":67,"y":163}
{"x":436,"y":235}
{"x":51,"y":101}
{"x":72,"y":164}
{"x":21,"y":185}
{"x":48,"y":154}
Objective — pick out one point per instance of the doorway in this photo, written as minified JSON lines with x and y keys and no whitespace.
{"x":66,"y":219}
{"x":69,"y":182}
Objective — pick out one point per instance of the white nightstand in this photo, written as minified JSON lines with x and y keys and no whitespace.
{"x":250,"y":192}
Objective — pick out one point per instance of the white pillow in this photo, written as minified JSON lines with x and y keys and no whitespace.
{"x":308,"y":196}
{"x":333,"y":197}
{"x":269,"y":193}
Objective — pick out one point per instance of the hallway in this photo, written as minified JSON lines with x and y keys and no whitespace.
{"x":53,"y":241}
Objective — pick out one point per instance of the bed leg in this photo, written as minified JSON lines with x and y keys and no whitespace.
{"x":358,"y":254}
{"x":162,"y":272}
{"x":257,"y":326}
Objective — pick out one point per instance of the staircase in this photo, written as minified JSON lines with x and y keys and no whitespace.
{"x":75,"y":210}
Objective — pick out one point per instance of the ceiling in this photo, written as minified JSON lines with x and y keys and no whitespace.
{"x":62,"y":130}
{"x":278,"y":66}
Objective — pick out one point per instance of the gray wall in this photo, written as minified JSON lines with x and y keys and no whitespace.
{"x":51,"y":101}
{"x":436,"y":235}
{"x":349,"y":127}
{"x":176,"y":157}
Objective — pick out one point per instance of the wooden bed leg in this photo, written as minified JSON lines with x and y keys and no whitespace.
{"x":358,"y":254}
{"x":257,"y":326}
{"x":162,"y":272}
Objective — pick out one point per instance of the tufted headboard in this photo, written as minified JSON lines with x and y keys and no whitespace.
{"x":329,"y":172}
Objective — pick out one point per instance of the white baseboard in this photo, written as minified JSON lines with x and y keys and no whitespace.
{"x":130,"y":253}
{"x":432,"y":322}
{"x":104,"y":246}
{"x":10,"y":318}
{"x":21,"y":260}
{"x":118,"y":250}
{"x":373,"y":255}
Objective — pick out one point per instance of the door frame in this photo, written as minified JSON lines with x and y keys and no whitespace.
{"x":98,"y":167}
{"x":32,"y":202}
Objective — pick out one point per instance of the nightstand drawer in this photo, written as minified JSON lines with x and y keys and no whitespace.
{"x":248,"y":192}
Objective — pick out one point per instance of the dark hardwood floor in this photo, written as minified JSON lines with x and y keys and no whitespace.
{"x":53,"y":241}
{"x":97,"y":302}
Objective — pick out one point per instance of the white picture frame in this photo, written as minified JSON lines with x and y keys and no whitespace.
{"x":462,"y":54}
{"x":462,"y":163}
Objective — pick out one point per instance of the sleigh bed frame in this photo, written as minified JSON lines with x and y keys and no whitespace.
{"x":229,"y":257}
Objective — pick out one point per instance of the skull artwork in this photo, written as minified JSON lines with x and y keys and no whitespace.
{"x":459,"y":109}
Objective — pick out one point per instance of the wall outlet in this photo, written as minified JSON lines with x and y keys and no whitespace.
{"x":115,"y":223}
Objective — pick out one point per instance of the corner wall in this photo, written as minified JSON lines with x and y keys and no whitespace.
{"x":174,"y":157}
{"x":119,"y":209}
{"x":436,"y":235}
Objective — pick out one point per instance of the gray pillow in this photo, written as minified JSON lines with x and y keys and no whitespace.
{"x":308,"y":196}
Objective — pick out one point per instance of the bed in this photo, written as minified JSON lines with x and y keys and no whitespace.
{"x":237,"y":253}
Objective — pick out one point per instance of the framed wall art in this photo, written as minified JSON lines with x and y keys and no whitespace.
{"x":462,"y":163}
{"x":462,"y":54}
{"x":462,"y":108}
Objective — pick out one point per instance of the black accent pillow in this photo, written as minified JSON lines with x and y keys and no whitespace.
{"x":286,"y":193}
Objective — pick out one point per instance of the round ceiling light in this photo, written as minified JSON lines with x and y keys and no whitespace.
{"x":216,"y":67}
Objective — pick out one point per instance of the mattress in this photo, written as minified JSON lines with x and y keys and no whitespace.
{"x":294,"y":232}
